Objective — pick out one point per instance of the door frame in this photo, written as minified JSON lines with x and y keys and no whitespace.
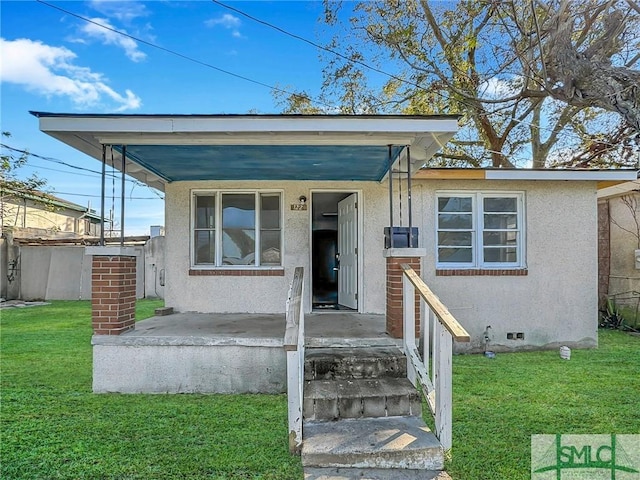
{"x":360,"y":256}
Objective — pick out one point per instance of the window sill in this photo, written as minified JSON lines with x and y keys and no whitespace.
{"x":237,"y":272}
{"x":486,"y":272}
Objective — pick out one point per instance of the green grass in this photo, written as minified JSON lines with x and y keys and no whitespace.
{"x":500,"y":403}
{"x":53,"y":427}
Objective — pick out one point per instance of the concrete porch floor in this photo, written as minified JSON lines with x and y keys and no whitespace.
{"x":324,"y":329}
{"x":218,"y":353}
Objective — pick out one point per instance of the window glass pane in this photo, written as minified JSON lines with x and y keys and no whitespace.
{"x":238,"y":229}
{"x":500,"y":255}
{"x":270,"y":212}
{"x":500,"y":238}
{"x":205,"y":211}
{"x":500,"y":221}
{"x":455,"y":221}
{"x":455,"y":255}
{"x":500,"y":204}
{"x":270,"y":248}
{"x":454,"y":239}
{"x":205,"y":246}
{"x":454,"y":204}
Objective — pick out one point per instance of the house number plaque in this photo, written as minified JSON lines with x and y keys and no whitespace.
{"x":298,"y":206}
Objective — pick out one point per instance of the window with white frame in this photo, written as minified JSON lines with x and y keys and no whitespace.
{"x":236,"y":228}
{"x":480,"y":229}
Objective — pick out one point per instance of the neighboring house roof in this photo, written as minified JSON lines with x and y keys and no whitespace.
{"x":48,"y":199}
{"x":619,"y":190}
{"x":165,"y":148}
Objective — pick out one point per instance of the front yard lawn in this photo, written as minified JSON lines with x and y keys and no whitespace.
{"x":499,"y":403}
{"x":53,"y":427}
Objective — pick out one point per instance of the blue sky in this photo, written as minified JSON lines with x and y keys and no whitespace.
{"x":55,"y":62}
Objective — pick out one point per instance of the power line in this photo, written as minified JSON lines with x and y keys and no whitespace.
{"x":49,"y":159}
{"x":75,"y":167}
{"x":98,"y":196}
{"x":378,"y":70}
{"x":181,"y":55}
{"x":40,"y":167}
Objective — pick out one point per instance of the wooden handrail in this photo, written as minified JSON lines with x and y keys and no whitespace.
{"x":294,"y":302}
{"x":447,"y":320}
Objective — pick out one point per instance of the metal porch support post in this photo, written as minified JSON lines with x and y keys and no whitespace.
{"x":391,"y":198}
{"x":124,"y":162}
{"x":409,"y":195}
{"x":102,"y":193}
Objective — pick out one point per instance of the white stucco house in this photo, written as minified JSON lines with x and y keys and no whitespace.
{"x":251,"y":197}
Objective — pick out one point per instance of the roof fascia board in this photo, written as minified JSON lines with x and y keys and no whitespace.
{"x":247,"y":124}
{"x":522,"y":174}
{"x":250,"y":138}
{"x":588,"y":175}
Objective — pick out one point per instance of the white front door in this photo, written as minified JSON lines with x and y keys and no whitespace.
{"x":347,"y":251}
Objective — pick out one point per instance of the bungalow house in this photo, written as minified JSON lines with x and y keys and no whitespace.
{"x":36,"y":214}
{"x":249,"y":198}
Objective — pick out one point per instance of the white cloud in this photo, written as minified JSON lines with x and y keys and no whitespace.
{"x":124,"y":11}
{"x":109,"y":37}
{"x":228,"y":21}
{"x":50,"y":71}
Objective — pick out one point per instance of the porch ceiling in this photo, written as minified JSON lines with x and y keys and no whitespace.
{"x":165,"y":148}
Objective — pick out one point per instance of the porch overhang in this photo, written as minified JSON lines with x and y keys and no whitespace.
{"x":165,"y":148}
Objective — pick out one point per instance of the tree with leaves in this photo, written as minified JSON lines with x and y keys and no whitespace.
{"x":539,"y":84}
{"x":11,"y":183}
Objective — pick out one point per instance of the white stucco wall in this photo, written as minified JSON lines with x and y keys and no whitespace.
{"x":269,"y":294}
{"x":556,"y":303}
{"x":623,"y":276}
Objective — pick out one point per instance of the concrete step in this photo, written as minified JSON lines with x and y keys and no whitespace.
{"x":379,"y":443}
{"x":326,"y":400}
{"x":354,"y":362}
{"x":311,"y":473}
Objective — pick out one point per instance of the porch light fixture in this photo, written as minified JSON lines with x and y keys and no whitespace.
{"x":302,"y":199}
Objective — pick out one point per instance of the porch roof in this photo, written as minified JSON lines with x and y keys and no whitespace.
{"x":164,"y":148}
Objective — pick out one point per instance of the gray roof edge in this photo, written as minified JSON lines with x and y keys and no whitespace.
{"x":39,"y":114}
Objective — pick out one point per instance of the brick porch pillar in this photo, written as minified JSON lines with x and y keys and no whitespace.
{"x":396,"y":257}
{"x":113,"y":289}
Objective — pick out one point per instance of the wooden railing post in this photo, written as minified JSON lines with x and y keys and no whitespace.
{"x":409,"y":325}
{"x":443,"y":375}
{"x":294,"y":347}
{"x":444,"y":328}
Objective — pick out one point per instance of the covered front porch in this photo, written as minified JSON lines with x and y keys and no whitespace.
{"x":220,"y":352}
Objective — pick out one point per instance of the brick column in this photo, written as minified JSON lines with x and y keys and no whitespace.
{"x":113,"y":289}
{"x":396,"y":257}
